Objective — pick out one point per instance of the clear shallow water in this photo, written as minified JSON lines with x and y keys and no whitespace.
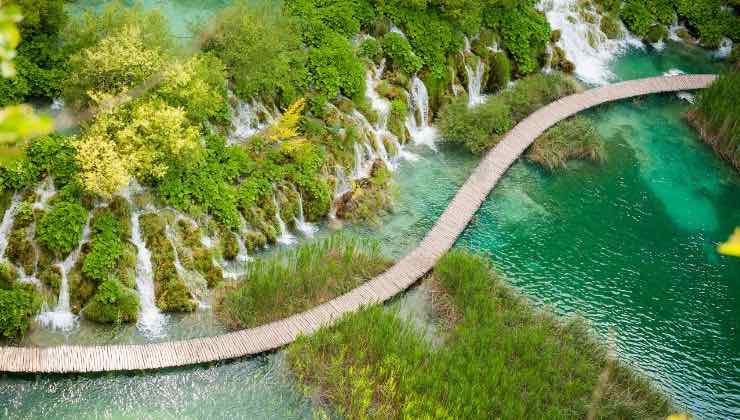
{"x":627,"y":244}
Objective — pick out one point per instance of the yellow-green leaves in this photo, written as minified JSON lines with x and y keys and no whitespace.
{"x":18,"y":123}
{"x":9,"y":38}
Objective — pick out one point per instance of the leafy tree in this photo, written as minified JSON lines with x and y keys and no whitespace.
{"x":334,"y":68}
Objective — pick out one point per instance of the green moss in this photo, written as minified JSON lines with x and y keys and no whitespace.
{"x":20,"y":250}
{"x":397,"y":119}
{"x":61,"y":228}
{"x":610,"y":27}
{"x":229,"y":245}
{"x":656,"y":33}
{"x":254,"y":240}
{"x":8,"y":275}
{"x":18,"y":306}
{"x":500,"y":74}
{"x":112,"y":303}
{"x":50,"y":277}
{"x":81,"y":288}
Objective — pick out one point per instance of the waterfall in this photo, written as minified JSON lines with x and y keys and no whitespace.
{"x":285,"y":238}
{"x":151,"y":321}
{"x":583,"y":42}
{"x":417,"y":121}
{"x":7,"y":223}
{"x":62,"y":318}
{"x":237,"y":268}
{"x":306,"y":228}
{"x":44,"y":191}
{"x":475,"y":82}
{"x":248,"y":119}
{"x":397,"y":30}
{"x":724,"y":50}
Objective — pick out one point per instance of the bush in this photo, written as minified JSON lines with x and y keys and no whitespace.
{"x":55,"y":156}
{"x":536,"y":91}
{"x":112,"y":303}
{"x":334,"y":68}
{"x":371,"y":49}
{"x":399,"y":51}
{"x":60,"y":230}
{"x":636,"y":17}
{"x":478,"y":128}
{"x":299,"y":279}
{"x":524,"y":33}
{"x":18,"y":306}
{"x":106,"y":248}
{"x":574,"y":138}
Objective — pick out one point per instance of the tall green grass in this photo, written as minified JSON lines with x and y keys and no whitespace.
{"x":294,"y":280}
{"x":717,"y":114}
{"x":503,"y":359}
{"x":481,"y":127}
{"x":574,"y":138}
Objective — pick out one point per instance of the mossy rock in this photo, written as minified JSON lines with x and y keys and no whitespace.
{"x":127,"y":265}
{"x":20,"y":250}
{"x":254,"y":240}
{"x":500,"y":73}
{"x":24,"y":215}
{"x":18,"y":305}
{"x":214,"y":276}
{"x":229,"y":245}
{"x":8,"y":275}
{"x":656,"y":33}
{"x":345,"y":105}
{"x":51,"y":277}
{"x":122,"y":212}
{"x":190,"y":233}
{"x":610,"y":27}
{"x":555,"y":35}
{"x":81,"y":289}
{"x":113,"y":303}
{"x":6,"y":197}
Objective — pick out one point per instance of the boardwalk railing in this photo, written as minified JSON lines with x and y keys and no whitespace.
{"x":400,"y":276}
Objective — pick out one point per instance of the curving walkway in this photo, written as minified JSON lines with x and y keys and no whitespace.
{"x":400,"y":276}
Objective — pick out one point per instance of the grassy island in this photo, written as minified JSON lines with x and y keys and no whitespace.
{"x":716,"y":117}
{"x":501,"y":358}
{"x":574,"y":138}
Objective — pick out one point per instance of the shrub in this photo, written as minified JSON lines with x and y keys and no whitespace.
{"x":60,"y":230}
{"x":636,"y":17}
{"x":112,"y":303}
{"x":55,"y":156}
{"x":524,"y":33}
{"x":334,"y":68}
{"x":574,"y":138}
{"x":399,"y":51}
{"x":371,"y":49}
{"x":298,"y":279}
{"x":536,"y":91}
{"x":105,"y":249}
{"x":18,"y":306}
{"x":477,"y":128}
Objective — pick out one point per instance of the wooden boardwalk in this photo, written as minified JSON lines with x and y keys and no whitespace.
{"x":400,"y":276}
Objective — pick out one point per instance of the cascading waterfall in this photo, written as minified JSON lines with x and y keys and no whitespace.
{"x":248,"y":119}
{"x":7,"y":223}
{"x":362,"y":168}
{"x":417,"y":122}
{"x":342,"y":187}
{"x":61,"y":317}
{"x":306,"y":228}
{"x":725,"y":48}
{"x":583,"y":42}
{"x":285,"y":238}
{"x":151,"y":321}
{"x":44,"y":192}
{"x":235,"y":269}
{"x":475,"y":77}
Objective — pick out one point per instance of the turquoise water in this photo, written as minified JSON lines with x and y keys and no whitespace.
{"x":627,"y":244}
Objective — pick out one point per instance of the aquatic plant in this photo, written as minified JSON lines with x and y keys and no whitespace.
{"x":502,"y":358}
{"x":297,"y":279}
{"x":574,"y":138}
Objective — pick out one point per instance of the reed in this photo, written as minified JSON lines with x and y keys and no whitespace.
{"x":574,"y":138}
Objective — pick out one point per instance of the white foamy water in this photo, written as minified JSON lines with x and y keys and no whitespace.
{"x":418,"y":121}
{"x":61,"y":317}
{"x":151,"y":321}
{"x":44,"y":191}
{"x":591,"y":61}
{"x":724,"y":50}
{"x":7,"y":223}
{"x":196,"y":283}
{"x":306,"y":228}
{"x":247,"y":120}
{"x":285,"y":237}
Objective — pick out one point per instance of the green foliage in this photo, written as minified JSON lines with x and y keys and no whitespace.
{"x":371,"y":49}
{"x":656,"y":33}
{"x":61,"y":227}
{"x":500,"y":75}
{"x":18,"y":306}
{"x":524,"y":31}
{"x":262,"y":53}
{"x":397,"y":118}
{"x":53,"y":155}
{"x":298,"y":279}
{"x":717,"y":117}
{"x":574,"y":138}
{"x":112,"y":303}
{"x":318,"y":17}
{"x":477,"y":128}
{"x":105,"y":249}
{"x":334,"y":68}
{"x":8,"y":275}
{"x":399,"y":51}
{"x":536,"y":91}
{"x":610,"y":27}
{"x":500,"y":358}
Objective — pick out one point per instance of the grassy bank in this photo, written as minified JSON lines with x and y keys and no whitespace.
{"x":717,"y":119}
{"x":481,"y":127}
{"x":501,"y":359}
{"x":298,"y":279}
{"x":574,"y":138}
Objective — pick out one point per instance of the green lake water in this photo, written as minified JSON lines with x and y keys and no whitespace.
{"x":629,"y":244}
